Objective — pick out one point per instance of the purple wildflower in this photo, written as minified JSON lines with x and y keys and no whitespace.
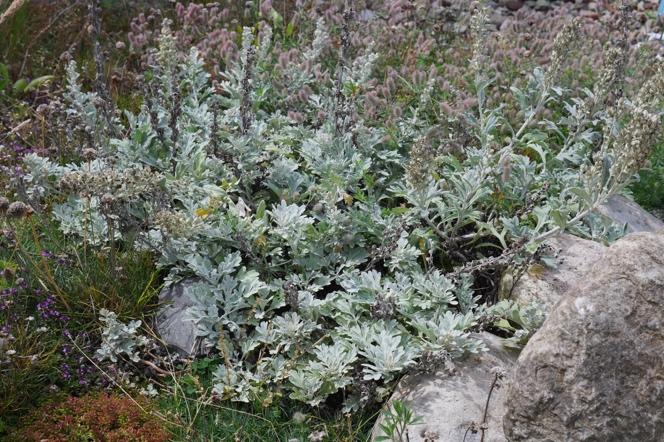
{"x":47,"y":310}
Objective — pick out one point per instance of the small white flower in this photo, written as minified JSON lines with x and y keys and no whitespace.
{"x":299,"y":417}
{"x":149,"y":391}
{"x":317,"y":436}
{"x":30,"y":318}
{"x":42,"y":329}
{"x":11,"y":352}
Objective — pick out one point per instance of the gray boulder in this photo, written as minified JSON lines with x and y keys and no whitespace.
{"x":546,"y":285}
{"x":595,"y":370}
{"x":452,"y":406}
{"x":626,"y":212}
{"x":175,"y":330}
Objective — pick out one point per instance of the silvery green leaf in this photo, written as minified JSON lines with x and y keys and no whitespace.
{"x":305,"y":387}
{"x":230,"y":263}
{"x":119,"y":339}
{"x":558,"y":218}
{"x":387,"y":355}
{"x":404,"y":257}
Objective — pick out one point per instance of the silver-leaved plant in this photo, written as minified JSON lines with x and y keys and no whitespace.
{"x":329,"y":248}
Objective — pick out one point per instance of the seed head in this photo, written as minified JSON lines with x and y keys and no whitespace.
{"x":18,"y":209}
{"x":478,"y":31}
{"x":299,"y":417}
{"x":89,"y":154}
{"x":506,"y":166}
{"x":383,"y":307}
{"x":291,"y":295}
{"x":420,"y":163}
{"x":107,"y":200}
{"x":172,"y":223}
{"x":562,"y":45}
{"x":8,"y":273}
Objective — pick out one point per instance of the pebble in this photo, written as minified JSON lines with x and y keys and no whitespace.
{"x":513,"y":5}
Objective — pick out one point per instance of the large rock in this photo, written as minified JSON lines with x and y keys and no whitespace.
{"x":574,"y":256}
{"x":451,"y":405}
{"x":175,"y":329}
{"x":595,"y":370}
{"x":628,"y":213}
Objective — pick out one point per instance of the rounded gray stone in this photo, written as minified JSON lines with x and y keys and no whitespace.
{"x":176,"y":330}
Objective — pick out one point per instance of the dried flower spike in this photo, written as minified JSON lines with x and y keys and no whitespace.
{"x":89,"y":154}
{"x":18,"y":209}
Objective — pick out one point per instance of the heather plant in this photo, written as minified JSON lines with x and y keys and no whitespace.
{"x":28,"y":347}
{"x":331,"y":251}
{"x":99,"y":417}
{"x":35,"y":354}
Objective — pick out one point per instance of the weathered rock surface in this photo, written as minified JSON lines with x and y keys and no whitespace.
{"x":626,"y":212}
{"x":574,"y":257}
{"x":450,"y":404}
{"x":595,"y":370}
{"x":171,"y":322}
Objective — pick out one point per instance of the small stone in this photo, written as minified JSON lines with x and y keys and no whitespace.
{"x":366,"y":15}
{"x":175,"y":328}
{"x":542,"y":5}
{"x":497,"y":19}
{"x":513,"y":5}
{"x":589,"y":14}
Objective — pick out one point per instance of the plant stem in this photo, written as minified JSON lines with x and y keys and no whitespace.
{"x":486,"y":406}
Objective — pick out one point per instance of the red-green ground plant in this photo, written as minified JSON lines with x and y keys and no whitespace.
{"x":99,"y":417}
